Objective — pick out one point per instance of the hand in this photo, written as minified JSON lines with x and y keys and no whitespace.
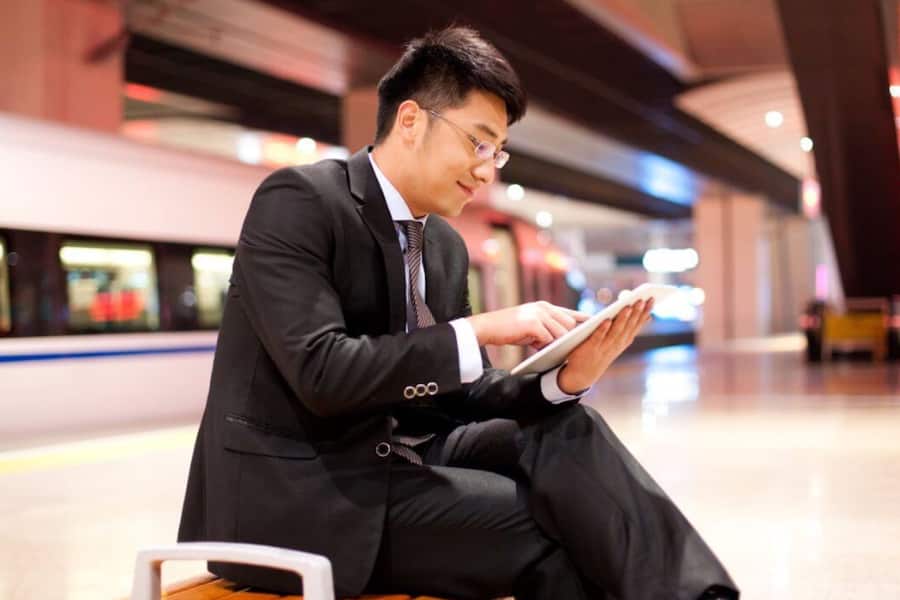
{"x":535,"y":324}
{"x":590,"y":360}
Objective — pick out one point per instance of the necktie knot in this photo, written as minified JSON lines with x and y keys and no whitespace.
{"x":413,"y":230}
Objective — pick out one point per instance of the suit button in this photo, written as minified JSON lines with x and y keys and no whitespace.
{"x":383,"y":449}
{"x":421,"y":389}
{"x":409,"y":392}
{"x":432,"y":388}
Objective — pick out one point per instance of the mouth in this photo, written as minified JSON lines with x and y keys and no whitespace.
{"x":469,"y":192}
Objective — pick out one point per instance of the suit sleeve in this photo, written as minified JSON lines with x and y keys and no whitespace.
{"x":284,"y":270}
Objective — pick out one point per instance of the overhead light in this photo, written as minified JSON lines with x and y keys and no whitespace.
{"x":667,"y":260}
{"x":515,"y":192}
{"x":774,"y":119}
{"x":895,"y":91}
{"x":306,"y":145}
{"x":220,"y":262}
{"x":806,"y":144}
{"x":543,"y":219}
{"x":86,"y":256}
{"x":249,"y":149}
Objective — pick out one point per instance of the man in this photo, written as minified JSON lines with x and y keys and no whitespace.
{"x":352,"y":413}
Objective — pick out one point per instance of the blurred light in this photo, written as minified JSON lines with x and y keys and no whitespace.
{"x":679,"y":306}
{"x":491,"y":247}
{"x":336,"y":152}
{"x":82,"y":256}
{"x":306,"y":145}
{"x":515,"y":192}
{"x":280,"y":153}
{"x":806,"y":144}
{"x":543,"y":219}
{"x":666,"y":260}
{"x":697,"y":296}
{"x":219,"y":262}
{"x":604,"y":295}
{"x":774,"y":119}
{"x":1,"y":251}
{"x":587,"y":305}
{"x":575,"y":278}
{"x":895,"y":91}
{"x":666,"y":179}
{"x":189,"y":298}
{"x":556,"y":260}
{"x":810,"y":195}
{"x":144,"y":93}
{"x":249,"y":149}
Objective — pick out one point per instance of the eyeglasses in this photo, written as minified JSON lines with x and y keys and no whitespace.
{"x":483,"y":150}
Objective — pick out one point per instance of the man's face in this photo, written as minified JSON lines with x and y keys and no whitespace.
{"x":448,"y":171}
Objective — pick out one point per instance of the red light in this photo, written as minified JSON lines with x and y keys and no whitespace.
{"x":144,"y":93}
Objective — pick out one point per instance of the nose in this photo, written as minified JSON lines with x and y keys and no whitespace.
{"x":485,"y":172}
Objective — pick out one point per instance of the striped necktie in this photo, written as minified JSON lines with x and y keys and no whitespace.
{"x":420,"y":313}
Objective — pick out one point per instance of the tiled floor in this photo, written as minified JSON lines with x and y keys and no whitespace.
{"x":789,"y":472}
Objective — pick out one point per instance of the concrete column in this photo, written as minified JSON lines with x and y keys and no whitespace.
{"x":359,"y":112}
{"x":728,"y":230}
{"x":53,"y":63}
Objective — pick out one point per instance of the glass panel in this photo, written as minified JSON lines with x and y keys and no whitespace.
{"x":5,"y":320}
{"x":111,"y":287}
{"x":212,"y":270}
{"x":476,"y":300}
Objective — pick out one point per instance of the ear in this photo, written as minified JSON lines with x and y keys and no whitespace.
{"x":410,"y":118}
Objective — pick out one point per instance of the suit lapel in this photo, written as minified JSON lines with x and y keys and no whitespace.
{"x":374,"y":212}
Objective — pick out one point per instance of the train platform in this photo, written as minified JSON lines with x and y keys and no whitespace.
{"x":787,"y":469}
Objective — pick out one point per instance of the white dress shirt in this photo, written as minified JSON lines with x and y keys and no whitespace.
{"x":470,"y":366}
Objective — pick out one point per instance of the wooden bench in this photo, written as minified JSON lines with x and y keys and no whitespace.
{"x":314,"y":569}
{"x":212,"y":588}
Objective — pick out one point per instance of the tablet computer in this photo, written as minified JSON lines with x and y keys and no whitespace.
{"x":554,"y":354}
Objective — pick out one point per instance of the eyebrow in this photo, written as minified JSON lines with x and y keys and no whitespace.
{"x":490,"y":132}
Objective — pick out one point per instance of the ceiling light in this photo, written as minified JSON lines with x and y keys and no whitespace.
{"x":306,"y":145}
{"x":774,"y":119}
{"x":515,"y":192}
{"x":543,"y":219}
{"x":806,"y":144}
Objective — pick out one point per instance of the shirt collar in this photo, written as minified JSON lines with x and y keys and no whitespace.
{"x":396,"y":204}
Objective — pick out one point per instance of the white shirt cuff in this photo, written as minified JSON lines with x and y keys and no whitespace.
{"x":470,"y":365}
{"x":551,"y":391}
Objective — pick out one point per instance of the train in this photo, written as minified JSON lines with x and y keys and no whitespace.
{"x":115,"y":257}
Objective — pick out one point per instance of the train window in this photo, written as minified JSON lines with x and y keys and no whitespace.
{"x":110,"y":287}
{"x":476,"y":294}
{"x":5,"y":320}
{"x":212,"y":270}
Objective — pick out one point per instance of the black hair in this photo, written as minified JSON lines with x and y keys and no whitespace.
{"x":439,"y":69}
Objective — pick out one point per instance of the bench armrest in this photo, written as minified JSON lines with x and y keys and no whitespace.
{"x":313,"y":568}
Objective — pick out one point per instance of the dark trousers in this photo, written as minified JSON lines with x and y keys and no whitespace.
{"x":549,"y":507}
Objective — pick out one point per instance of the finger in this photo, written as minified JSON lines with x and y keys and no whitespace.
{"x":621,"y":322}
{"x":563,"y":318}
{"x":542,"y":336}
{"x":555,"y":328}
{"x":637,"y":313}
{"x":575,"y":314}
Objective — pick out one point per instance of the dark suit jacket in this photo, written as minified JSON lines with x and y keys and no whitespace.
{"x":312,"y":360}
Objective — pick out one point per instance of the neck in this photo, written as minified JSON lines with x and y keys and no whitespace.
{"x":395,"y":168}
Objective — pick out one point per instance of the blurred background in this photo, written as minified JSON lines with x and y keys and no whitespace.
{"x":745,"y":151}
